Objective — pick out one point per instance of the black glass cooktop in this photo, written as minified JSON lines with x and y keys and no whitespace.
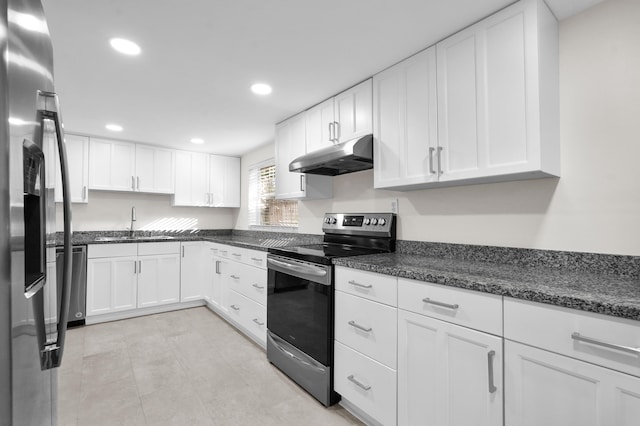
{"x":322,"y":253}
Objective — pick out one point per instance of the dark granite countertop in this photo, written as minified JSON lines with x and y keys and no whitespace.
{"x":608,"y":294}
{"x":248,"y":239}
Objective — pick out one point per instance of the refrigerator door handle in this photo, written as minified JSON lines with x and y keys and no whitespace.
{"x":51,"y":353}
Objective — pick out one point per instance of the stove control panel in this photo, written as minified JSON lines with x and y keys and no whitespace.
{"x":359,"y":223}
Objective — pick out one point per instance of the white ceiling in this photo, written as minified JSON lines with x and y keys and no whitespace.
{"x":199,"y":58}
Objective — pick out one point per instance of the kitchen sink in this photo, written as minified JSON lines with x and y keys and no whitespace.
{"x":128,"y":238}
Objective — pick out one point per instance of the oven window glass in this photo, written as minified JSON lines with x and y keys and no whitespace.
{"x":299,"y":311}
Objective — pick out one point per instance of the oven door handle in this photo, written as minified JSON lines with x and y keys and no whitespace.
{"x":308,"y":270}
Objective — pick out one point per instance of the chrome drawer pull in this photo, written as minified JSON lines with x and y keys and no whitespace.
{"x":236,"y":254}
{"x":360,"y":385}
{"x":235,"y":308}
{"x":444,"y":305}
{"x":256,"y":259}
{"x":358,"y":326}
{"x":235,"y":277}
{"x":259,"y":287}
{"x":577,"y":336}
{"x":257,"y":321}
{"x":492,"y":385}
{"x":357,"y":284}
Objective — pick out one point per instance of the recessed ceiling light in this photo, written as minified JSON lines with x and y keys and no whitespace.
{"x":261,"y":89}
{"x":197,"y":141}
{"x":125,"y":46}
{"x":114,"y":127}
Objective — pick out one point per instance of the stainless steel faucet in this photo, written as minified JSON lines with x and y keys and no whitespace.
{"x":133,"y":219}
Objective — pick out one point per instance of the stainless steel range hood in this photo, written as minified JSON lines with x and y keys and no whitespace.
{"x":346,"y":157}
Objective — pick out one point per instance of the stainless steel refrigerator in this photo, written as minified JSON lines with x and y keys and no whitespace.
{"x":32,"y":322}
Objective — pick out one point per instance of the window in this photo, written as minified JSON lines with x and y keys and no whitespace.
{"x":264,"y":209}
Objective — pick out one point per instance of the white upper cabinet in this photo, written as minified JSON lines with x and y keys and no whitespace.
{"x":498,"y":110}
{"x":290,"y":144}
{"x":78,"y":162}
{"x":123,"y":166}
{"x":154,"y":169}
{"x":206,"y":180}
{"x":482,"y":107}
{"x":341,"y":118}
{"x":191,"y":179}
{"x":224,"y":181}
{"x":405,"y":122}
{"x":112,"y":165}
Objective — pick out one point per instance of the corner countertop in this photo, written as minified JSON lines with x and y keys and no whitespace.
{"x":608,"y":294}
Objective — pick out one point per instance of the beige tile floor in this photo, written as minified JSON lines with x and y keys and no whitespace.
{"x":185,"y":367}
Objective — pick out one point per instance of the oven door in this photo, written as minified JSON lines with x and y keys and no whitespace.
{"x":300,"y":305}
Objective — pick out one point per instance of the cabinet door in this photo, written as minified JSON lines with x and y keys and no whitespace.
{"x":191,"y":276}
{"x":543,"y":388}
{"x":354,"y":112}
{"x":191,"y":179}
{"x":78,"y":161}
{"x":111,"y":165}
{"x":111,"y":284}
{"x":405,"y":123}
{"x":154,"y":169}
{"x":158,"y":280}
{"x":224,"y":181}
{"x":448,"y":374}
{"x":290,"y":144}
{"x":320,"y":122}
{"x":491,"y":79}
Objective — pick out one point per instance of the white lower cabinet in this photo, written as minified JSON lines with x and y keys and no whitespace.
{"x":447,"y":374}
{"x":365,"y":383}
{"x":123,"y":277}
{"x":215,"y":287}
{"x":543,"y":388}
{"x":191,"y":271}
{"x":158,"y":280}
{"x":250,"y":315}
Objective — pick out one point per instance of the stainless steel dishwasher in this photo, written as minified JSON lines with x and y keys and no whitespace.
{"x":78,"y":298}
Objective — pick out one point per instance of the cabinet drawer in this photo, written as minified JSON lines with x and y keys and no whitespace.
{"x":145,"y":249}
{"x":552,"y":327}
{"x":236,"y":253}
{"x":251,"y":316}
{"x":376,"y":287}
{"x":368,"y":327}
{"x":463,"y":307}
{"x":365,"y":383}
{"x":112,"y":250}
{"x":256,"y":258}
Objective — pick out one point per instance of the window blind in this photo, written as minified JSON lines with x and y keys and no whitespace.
{"x":264,"y":208}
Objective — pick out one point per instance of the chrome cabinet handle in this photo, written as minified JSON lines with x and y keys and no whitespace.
{"x":490,"y":356}
{"x":236,"y":254}
{"x":256,"y":259}
{"x":259,"y":287}
{"x":357,"y":284}
{"x":628,"y":349}
{"x":218,"y":267}
{"x":302,"y":183}
{"x":358,"y":383}
{"x":133,"y":183}
{"x":182,"y":251}
{"x":135,"y":267}
{"x":337,"y":131}
{"x":359,"y":327}
{"x":331,"y":132}
{"x":257,"y":321}
{"x":139,"y":266}
{"x":138,"y":182}
{"x":444,"y":305}
{"x":439,"y":160}
{"x":431,"y":171}
{"x":84,"y":192}
{"x":235,"y":308}
{"x":235,"y":277}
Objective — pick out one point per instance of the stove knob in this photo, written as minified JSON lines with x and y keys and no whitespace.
{"x":374,"y":221}
{"x":367,"y":221}
{"x":381,"y":221}
{"x":326,"y":220}
{"x":333,"y":221}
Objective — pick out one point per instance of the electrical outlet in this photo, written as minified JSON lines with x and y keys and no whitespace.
{"x":394,"y":206}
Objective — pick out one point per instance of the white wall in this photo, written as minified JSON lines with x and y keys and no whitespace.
{"x":107,"y":211}
{"x":593,"y":207}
